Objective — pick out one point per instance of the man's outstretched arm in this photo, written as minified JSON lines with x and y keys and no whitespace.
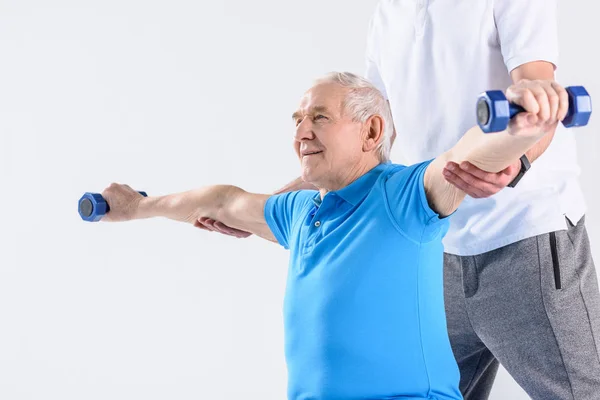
{"x":478,"y":183}
{"x":229,"y":204}
{"x":546,"y":103}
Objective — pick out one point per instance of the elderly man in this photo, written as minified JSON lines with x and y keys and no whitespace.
{"x":360,"y":323}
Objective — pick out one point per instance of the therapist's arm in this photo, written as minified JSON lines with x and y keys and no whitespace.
{"x":479,"y":183}
{"x":495,"y":151}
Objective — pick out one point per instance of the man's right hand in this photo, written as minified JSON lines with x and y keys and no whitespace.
{"x":216,"y":226}
{"x":546,"y":103}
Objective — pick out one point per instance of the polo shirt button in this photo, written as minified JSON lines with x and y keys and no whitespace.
{"x":318,"y":224}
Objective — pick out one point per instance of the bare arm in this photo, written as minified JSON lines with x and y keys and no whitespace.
{"x":494,"y":152}
{"x":478,"y":183}
{"x":230,"y":204}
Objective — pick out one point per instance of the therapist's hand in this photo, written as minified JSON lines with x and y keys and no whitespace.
{"x":478,"y":183}
{"x":209,"y":224}
{"x":216,"y":226}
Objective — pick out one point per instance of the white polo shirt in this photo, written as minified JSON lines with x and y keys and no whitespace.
{"x":431,"y":59}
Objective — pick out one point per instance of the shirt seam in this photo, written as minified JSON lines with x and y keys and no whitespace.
{"x":391,"y":217}
{"x":277,"y":232}
{"x":300,"y":217}
{"x":274,"y":228}
{"x":396,"y":224}
{"x":423,"y":195}
{"x":434,"y":217}
{"x":421,"y":322}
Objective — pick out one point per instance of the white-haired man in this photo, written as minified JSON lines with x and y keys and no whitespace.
{"x":360,"y":323}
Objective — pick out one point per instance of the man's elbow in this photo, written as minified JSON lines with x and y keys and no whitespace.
{"x":229,"y":203}
{"x":206,"y":202}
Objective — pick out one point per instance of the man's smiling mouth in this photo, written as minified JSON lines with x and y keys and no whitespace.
{"x":311,"y":153}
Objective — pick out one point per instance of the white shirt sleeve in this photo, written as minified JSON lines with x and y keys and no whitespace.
{"x":527,"y":30}
{"x":372,"y":70}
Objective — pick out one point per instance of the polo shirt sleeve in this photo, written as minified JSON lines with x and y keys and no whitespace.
{"x":527,"y":31}
{"x":283,"y":211}
{"x":408,"y":205}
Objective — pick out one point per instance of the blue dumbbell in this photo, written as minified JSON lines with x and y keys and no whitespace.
{"x":494,"y":111}
{"x":92,"y":206}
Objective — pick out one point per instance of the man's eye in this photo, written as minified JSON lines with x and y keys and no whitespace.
{"x":319,"y":116}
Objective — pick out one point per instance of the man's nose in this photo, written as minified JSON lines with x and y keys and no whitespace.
{"x":304,"y":130}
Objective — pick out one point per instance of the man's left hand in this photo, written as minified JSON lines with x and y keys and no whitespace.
{"x":478,"y":183}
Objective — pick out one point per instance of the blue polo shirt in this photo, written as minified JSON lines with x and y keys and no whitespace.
{"x":364,"y":308}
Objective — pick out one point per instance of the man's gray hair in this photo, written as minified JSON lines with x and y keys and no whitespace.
{"x":363,"y":101}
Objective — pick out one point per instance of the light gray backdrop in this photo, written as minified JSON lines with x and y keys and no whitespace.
{"x":168,"y":96}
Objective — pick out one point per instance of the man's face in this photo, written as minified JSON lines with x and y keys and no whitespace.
{"x":328,"y":143}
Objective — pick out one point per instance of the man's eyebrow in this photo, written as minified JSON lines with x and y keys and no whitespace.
{"x":315,"y":109}
{"x":321,"y":109}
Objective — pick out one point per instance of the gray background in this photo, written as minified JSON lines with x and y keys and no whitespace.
{"x":168,"y":96}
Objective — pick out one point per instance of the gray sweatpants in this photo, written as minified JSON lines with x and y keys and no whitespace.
{"x":534,"y":306}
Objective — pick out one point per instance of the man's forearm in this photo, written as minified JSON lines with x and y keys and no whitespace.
{"x":187,"y":206}
{"x":540,"y":147}
{"x":489,"y":152}
{"x":492,"y":152}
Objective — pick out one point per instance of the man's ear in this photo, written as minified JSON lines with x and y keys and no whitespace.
{"x":374,"y":132}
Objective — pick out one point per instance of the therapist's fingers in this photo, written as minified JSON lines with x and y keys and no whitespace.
{"x":227,"y":230}
{"x":207,"y":224}
{"x":461,"y":184}
{"x":498,"y":179}
{"x":211,"y":225}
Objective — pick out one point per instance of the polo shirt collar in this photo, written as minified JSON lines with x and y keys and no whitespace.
{"x":357,"y":190}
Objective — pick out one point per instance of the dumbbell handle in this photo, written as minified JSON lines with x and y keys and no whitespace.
{"x":108,"y":207}
{"x":514,"y":109}
{"x":92,"y":206}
